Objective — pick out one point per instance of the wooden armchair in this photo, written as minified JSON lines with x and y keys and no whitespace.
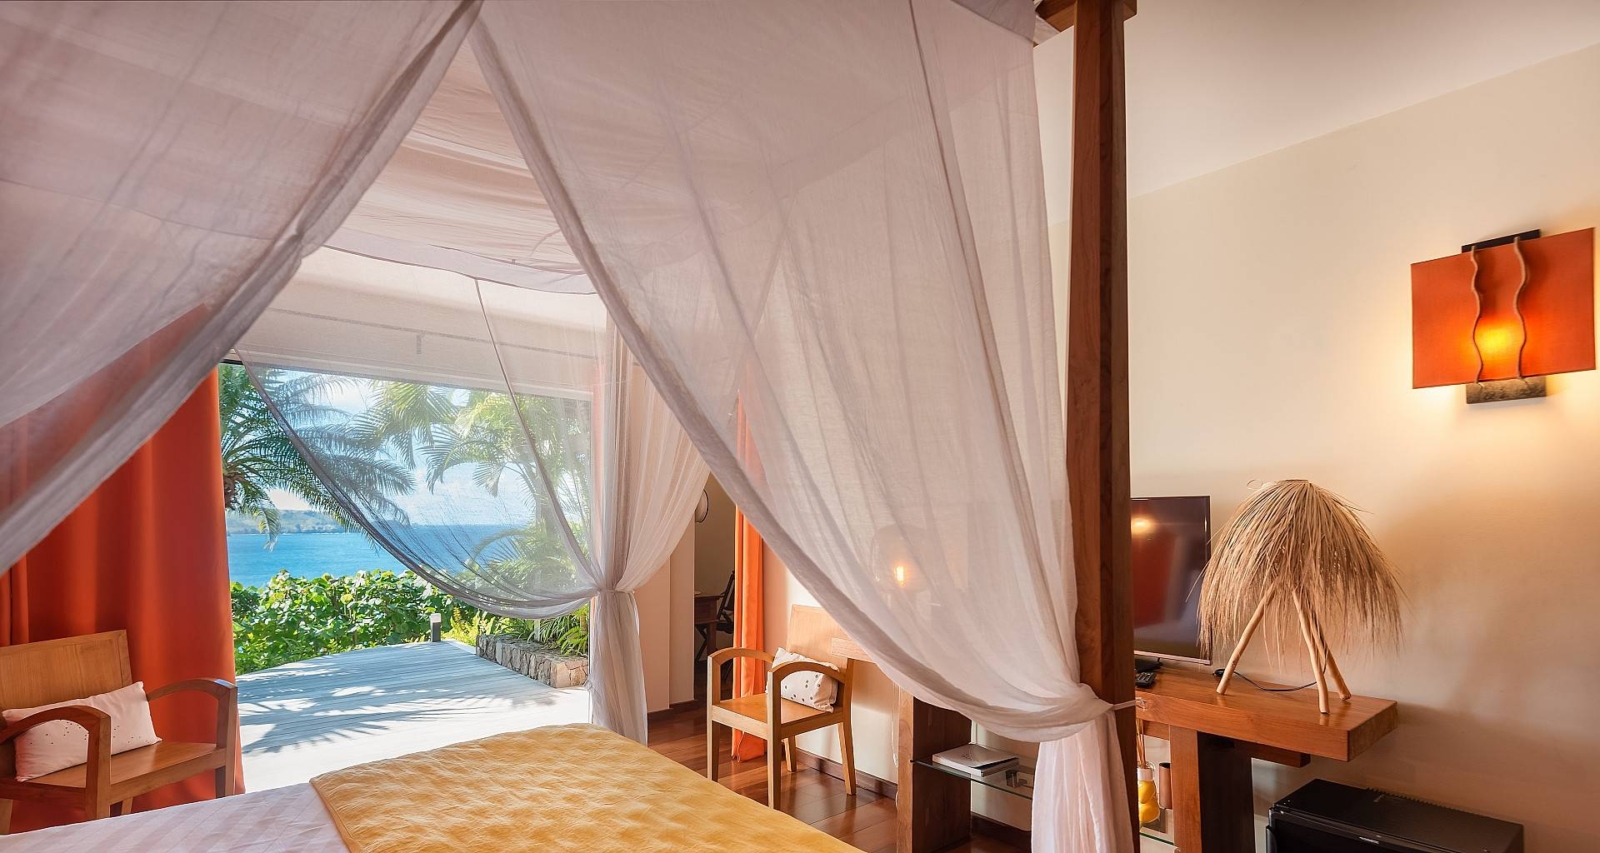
{"x":772,"y":718}
{"x":77,"y":667}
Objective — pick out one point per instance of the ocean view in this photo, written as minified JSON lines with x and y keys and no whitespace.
{"x":305,"y":555}
{"x":309,"y":553}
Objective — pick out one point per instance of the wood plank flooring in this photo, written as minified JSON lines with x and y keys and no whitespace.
{"x":865,"y":820}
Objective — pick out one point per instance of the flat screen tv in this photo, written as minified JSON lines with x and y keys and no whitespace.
{"x":1171,"y":544}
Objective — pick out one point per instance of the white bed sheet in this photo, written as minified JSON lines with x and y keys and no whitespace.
{"x":281,"y":820}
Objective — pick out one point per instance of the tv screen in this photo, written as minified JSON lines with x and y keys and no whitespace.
{"x":1171,"y":544}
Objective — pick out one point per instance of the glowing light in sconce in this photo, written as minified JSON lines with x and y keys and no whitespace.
{"x":1499,"y":342}
{"x":900,"y":573}
{"x":1142,"y":525}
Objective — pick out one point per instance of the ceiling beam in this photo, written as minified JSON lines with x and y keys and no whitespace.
{"x":1062,"y":14}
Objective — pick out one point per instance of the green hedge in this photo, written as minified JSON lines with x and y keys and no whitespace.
{"x":292,"y":619}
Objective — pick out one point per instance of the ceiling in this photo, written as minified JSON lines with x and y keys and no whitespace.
{"x":1216,"y":82}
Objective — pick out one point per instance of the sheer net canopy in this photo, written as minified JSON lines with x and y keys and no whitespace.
{"x":163,"y":168}
{"x":498,"y":440}
{"x":820,"y":219}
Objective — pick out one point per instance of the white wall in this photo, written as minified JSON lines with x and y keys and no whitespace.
{"x":713,"y":545}
{"x":666,"y":627}
{"x":682,"y":641}
{"x":1270,"y":337}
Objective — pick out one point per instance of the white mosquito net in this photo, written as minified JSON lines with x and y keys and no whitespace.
{"x":449,"y":372}
{"x":163,"y":168}
{"x":826,"y":215}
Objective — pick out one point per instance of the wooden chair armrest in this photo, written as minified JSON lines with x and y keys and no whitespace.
{"x":777,"y":674}
{"x":215,"y":687}
{"x":227,"y":696}
{"x":720,"y":656}
{"x":91,"y":719}
{"x":97,"y":758}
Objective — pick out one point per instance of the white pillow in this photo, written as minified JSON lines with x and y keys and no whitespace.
{"x":58,"y":744}
{"x":812,"y":689}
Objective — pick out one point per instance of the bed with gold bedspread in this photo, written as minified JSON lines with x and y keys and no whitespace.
{"x":556,"y":789}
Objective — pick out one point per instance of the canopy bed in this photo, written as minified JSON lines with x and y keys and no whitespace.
{"x":802,"y":242}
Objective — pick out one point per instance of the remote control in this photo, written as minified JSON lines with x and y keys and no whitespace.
{"x":1145,"y":680}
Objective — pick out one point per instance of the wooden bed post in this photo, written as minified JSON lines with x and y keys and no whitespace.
{"x":1097,"y":361}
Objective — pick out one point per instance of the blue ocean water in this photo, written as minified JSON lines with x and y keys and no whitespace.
{"x":305,"y":555}
{"x":309,"y":555}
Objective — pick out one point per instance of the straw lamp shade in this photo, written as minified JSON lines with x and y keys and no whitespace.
{"x":1295,"y":557}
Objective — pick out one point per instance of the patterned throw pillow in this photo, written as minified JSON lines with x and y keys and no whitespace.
{"x":812,"y":689}
{"x":59,"y":744}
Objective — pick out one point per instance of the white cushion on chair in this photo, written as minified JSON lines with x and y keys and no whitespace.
{"x":59,"y":744}
{"x":811,"y":689}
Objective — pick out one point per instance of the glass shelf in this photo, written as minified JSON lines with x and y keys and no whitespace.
{"x":1018,"y":781}
{"x":1149,"y":840}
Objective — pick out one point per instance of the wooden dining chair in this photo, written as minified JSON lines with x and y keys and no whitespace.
{"x":54,"y":671}
{"x":767,"y":715}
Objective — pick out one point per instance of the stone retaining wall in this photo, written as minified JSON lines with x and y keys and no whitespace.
{"x":534,"y":660}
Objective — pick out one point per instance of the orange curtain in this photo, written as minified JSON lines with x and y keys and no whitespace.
{"x":748,"y":674}
{"x":146,"y":552}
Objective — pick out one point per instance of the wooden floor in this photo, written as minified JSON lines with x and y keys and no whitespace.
{"x":865,"y":821}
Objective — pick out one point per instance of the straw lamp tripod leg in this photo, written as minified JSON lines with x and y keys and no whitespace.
{"x":1328,"y":662}
{"x":1316,"y":655}
{"x":1244,"y":640}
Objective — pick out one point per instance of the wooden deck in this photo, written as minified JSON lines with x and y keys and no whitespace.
{"x":306,"y":718}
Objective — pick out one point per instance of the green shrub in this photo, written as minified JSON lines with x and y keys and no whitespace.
{"x":292,"y":619}
{"x":567,"y":634}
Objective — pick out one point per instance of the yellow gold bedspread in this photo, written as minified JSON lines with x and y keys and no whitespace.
{"x":561,"y":788}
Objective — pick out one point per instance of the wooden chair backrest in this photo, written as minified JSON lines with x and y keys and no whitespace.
{"x":725,"y":603}
{"x":52,"y":671}
{"x":811,"y":633}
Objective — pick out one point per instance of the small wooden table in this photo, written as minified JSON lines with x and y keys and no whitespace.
{"x":706,"y":607}
{"x":1213,"y":739}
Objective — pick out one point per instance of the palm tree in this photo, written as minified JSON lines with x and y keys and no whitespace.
{"x":503,"y":445}
{"x":405,"y":416}
{"x":257,"y":455}
{"x":551,"y":434}
{"x":482,"y":431}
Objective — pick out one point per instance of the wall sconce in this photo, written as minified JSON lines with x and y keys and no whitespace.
{"x":892,"y":560}
{"x":1504,"y":314}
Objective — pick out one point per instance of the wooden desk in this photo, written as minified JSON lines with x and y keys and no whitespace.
{"x":1213,"y":739}
{"x":706,"y":605}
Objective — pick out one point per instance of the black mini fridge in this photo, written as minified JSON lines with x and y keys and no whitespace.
{"x":1324,"y":817}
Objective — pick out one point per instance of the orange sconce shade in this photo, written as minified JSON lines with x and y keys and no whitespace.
{"x":1520,"y":309}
